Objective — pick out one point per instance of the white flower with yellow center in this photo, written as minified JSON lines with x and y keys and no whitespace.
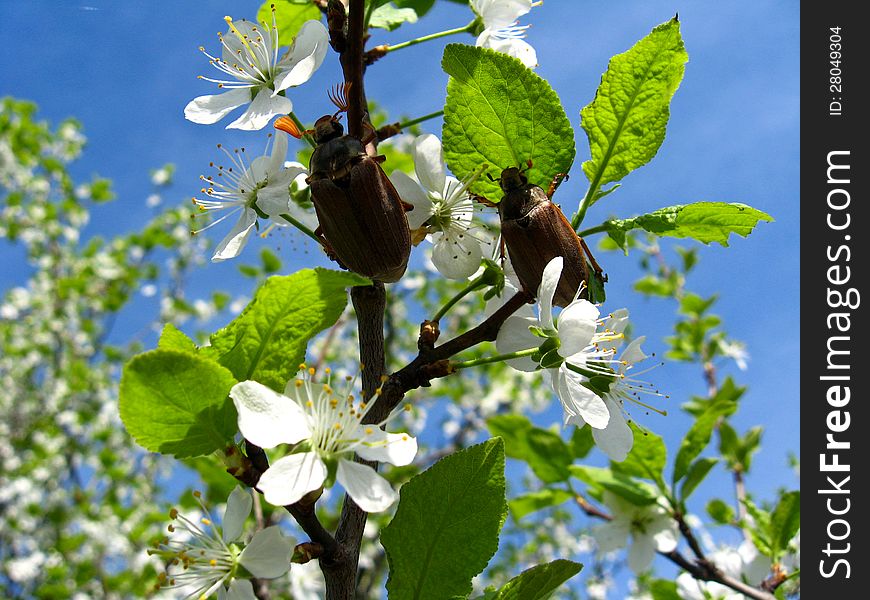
{"x":442,"y":209}
{"x":261,"y":189}
{"x":578,"y":351}
{"x":650,"y":527}
{"x":256,"y":75}
{"x":501,"y":31}
{"x":208,"y":559}
{"x":326,"y":428}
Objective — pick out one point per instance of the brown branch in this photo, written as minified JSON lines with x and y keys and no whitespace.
{"x":336,"y":18}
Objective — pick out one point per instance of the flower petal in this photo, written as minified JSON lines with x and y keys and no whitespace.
{"x":266,"y":417}
{"x":611,"y":536}
{"x":456,"y":255}
{"x":664,"y":533}
{"x":241,"y":589}
{"x":512,"y":46}
{"x":279,"y":152}
{"x":262,"y":109}
{"x":304,"y":58}
{"x":291,"y":477}
{"x":397,"y":449}
{"x":411,"y":192}
{"x":268,"y":554}
{"x":641,"y":553}
{"x":206,"y":110}
{"x":549,"y":281}
{"x":577,"y":325}
{"x":501,"y":13}
{"x":617,"y":438}
{"x":238,"y":508}
{"x":577,"y":399}
{"x":370,"y":491}
{"x":234,"y":242}
{"x":429,"y":163}
{"x":632,"y":353}
{"x":513,"y":336}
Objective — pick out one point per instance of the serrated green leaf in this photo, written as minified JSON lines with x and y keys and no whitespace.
{"x":785,"y":520}
{"x":388,"y":16}
{"x":176,"y":403}
{"x":290,"y":15}
{"x":539,"y":582}
{"x":626,"y":121}
{"x":647,"y":457}
{"x":544,"y":451}
{"x":534,"y":501}
{"x":267,"y":341}
{"x":720,"y":511}
{"x":636,"y":492}
{"x":760,"y":530}
{"x":172,"y":338}
{"x":500,"y":113}
{"x":446,"y":525}
{"x":705,"y":222}
{"x":695,"y":475}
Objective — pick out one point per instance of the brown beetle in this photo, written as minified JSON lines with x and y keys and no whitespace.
{"x":536,"y":231}
{"x":362,"y":218}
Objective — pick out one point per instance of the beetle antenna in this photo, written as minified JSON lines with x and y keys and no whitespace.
{"x":338,"y":96}
{"x":491,"y":178}
{"x":528,"y":166}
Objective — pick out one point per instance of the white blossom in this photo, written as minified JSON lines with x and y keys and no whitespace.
{"x":442,"y":209}
{"x":575,"y":349}
{"x":650,"y":527}
{"x":211,"y":557}
{"x":259,"y":189}
{"x":256,"y":75}
{"x":331,"y":425}
{"x":501,"y":30}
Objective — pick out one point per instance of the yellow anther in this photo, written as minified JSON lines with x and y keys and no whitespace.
{"x":311,"y":371}
{"x":298,"y":383}
{"x":205,"y":521}
{"x":369,"y":430}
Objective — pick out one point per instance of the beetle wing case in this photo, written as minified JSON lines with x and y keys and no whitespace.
{"x":539,"y":236}
{"x":363,"y":219}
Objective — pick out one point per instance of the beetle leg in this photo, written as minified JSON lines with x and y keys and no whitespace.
{"x":599,"y":272}
{"x":369,"y":137}
{"x":555,"y":183}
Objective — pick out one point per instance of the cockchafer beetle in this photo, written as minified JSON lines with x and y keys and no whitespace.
{"x":535,"y":231}
{"x":362,"y":219}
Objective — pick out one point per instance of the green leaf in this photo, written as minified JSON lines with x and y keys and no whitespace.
{"x":172,"y":338}
{"x":539,"y":582}
{"x":662,"y":589}
{"x":647,"y":457}
{"x":720,"y":511}
{"x":626,"y":121}
{"x":290,"y":15}
{"x":267,"y":341}
{"x":421,"y":7}
{"x":534,"y":501}
{"x":582,"y":442}
{"x":271,"y":262}
{"x":176,"y":403}
{"x":446,"y":525}
{"x":500,"y":113}
{"x":695,"y":475}
{"x":389,"y":17}
{"x":700,"y":433}
{"x":544,"y":451}
{"x":785,"y":520}
{"x":705,"y":222}
{"x":636,"y":492}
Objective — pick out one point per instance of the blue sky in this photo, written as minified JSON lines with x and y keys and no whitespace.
{"x":127,"y":69}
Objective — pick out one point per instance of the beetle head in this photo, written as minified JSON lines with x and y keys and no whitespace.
{"x":512,"y":178}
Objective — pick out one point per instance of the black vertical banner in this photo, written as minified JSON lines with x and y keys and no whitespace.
{"x":835,"y":259}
